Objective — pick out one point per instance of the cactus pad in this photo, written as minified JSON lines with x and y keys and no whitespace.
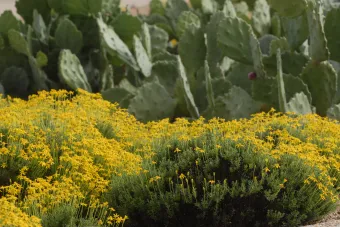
{"x":115,"y":45}
{"x":289,"y":8}
{"x":321,"y":80}
{"x":71,"y":71}
{"x":299,"y":104}
{"x":142,"y":57}
{"x":152,"y":102}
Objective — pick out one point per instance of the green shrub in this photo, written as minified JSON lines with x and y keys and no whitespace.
{"x":210,"y":181}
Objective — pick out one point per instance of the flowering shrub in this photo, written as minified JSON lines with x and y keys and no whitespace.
{"x":270,"y":170}
{"x":53,"y":152}
{"x":77,"y":160}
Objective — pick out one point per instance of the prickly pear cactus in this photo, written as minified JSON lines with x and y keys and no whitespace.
{"x":192,"y":51}
{"x":67,"y":36}
{"x":16,"y":81}
{"x":321,"y":80}
{"x":318,"y":49}
{"x":296,"y":30}
{"x":289,"y":8}
{"x":107,"y":81}
{"x":18,"y":42}
{"x":187,"y":20}
{"x":334,"y":112}
{"x":8,"y":21}
{"x":142,"y":57}
{"x":71,"y":71}
{"x":167,"y":74}
{"x":118,"y":95}
{"x":114,"y":45}
{"x":152,"y":102}
{"x":189,"y":98}
{"x":332,"y":28}
{"x":214,"y":54}
{"x":261,"y":17}
{"x":280,"y":83}
{"x":234,"y":39}
{"x":234,"y":105}
{"x":159,"y":39}
{"x":299,"y":104}
{"x":208,"y":86}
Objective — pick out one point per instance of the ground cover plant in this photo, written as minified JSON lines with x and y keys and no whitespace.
{"x":208,"y":58}
{"x":78,"y":160}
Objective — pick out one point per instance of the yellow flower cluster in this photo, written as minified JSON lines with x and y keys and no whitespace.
{"x":61,"y":151}
{"x":66,"y":149}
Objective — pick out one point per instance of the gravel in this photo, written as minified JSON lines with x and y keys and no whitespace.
{"x":331,"y":220}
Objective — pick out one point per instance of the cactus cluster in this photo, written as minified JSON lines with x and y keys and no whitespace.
{"x":211,"y":58}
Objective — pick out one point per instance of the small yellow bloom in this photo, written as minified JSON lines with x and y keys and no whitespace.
{"x":173,"y":43}
{"x":212,"y":182}
{"x":266,"y":169}
{"x":177,"y":150}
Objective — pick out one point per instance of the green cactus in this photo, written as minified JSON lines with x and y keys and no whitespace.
{"x":82,"y":7}
{"x":289,"y":8}
{"x":23,"y":46}
{"x":220,"y":86}
{"x":125,"y":83}
{"x":187,"y":20}
{"x":214,"y":54}
{"x":299,"y":104}
{"x":281,"y":44}
{"x":40,"y":28}
{"x":189,"y":98}
{"x":296,"y":30}
{"x":107,"y":81}
{"x":114,"y":45}
{"x":234,"y":105}
{"x":41,"y":59}
{"x":157,"y":7}
{"x":209,"y":6}
{"x":238,"y":76}
{"x":280,"y":83}
{"x":8,"y":21}
{"x":276,"y":25}
{"x":71,"y":71}
{"x":265,"y":42}
{"x":152,"y":102}
{"x":318,"y":49}
{"x":334,"y":112}
{"x":336,"y":66}
{"x":234,"y":39}
{"x":110,"y":7}
{"x":142,"y":57}
{"x":126,"y":26}
{"x":25,"y":9}
{"x":261,"y":19}
{"x":16,"y":81}
{"x":146,"y":39}
{"x":257,"y":57}
{"x":164,"y":56}
{"x":118,"y":95}
{"x":192,"y":51}
{"x":67,"y":36}
{"x":196,"y":4}
{"x":208,"y":86}
{"x":321,"y":80}
{"x":229,"y":9}
{"x":159,"y":39}
{"x":18,"y":42}
{"x":2,"y":91}
{"x":332,"y":28}
{"x":167,"y":74}
{"x":174,"y":8}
